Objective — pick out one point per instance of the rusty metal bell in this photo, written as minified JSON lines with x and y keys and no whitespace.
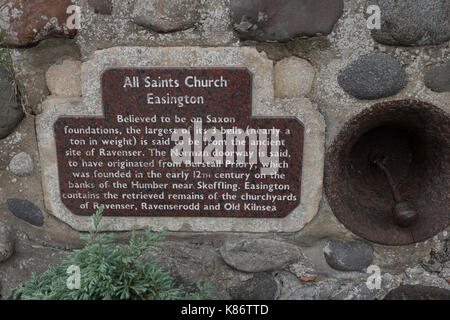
{"x":387,"y":172}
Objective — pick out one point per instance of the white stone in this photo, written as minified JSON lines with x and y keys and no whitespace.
{"x":64,"y":80}
{"x":263,"y":104}
{"x":293,"y":77}
{"x":21,"y":164}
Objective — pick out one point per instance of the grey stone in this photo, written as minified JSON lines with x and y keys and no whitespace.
{"x":431,"y":265}
{"x":438,"y":259}
{"x":21,"y":164}
{"x":11,"y":112}
{"x":258,"y":255}
{"x":6,"y":242}
{"x":445,"y":273}
{"x":27,"y":211}
{"x":373,"y":76}
{"x":413,"y":22}
{"x":291,"y":288}
{"x":304,"y":269}
{"x":442,"y":255}
{"x":418,"y":292}
{"x":437,"y":78}
{"x":261,"y":287}
{"x":104,"y":7}
{"x":418,"y":275}
{"x":192,"y":263}
{"x":348,"y":256}
{"x":283,"y":20}
{"x":167,"y":15}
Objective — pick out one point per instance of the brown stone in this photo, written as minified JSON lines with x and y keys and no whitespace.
{"x":28,"y":22}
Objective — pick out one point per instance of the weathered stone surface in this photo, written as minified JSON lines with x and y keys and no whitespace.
{"x":291,"y":288}
{"x":27,"y":211}
{"x":348,"y":256}
{"x":167,"y":16}
{"x":313,"y":151}
{"x":26,"y":260}
{"x":445,"y":272}
{"x":373,"y":76}
{"x":104,"y":7}
{"x":28,"y":22}
{"x":261,"y":287}
{"x":443,"y":253}
{"x":437,"y":78}
{"x":259,"y":255}
{"x":304,"y":269}
{"x":21,"y":164}
{"x":64,"y":80}
{"x":119,"y":29}
{"x":418,"y":275}
{"x":6,"y":242}
{"x":431,"y":265}
{"x":439,"y":260}
{"x":413,"y":22}
{"x":293,"y":77}
{"x":267,"y":20}
{"x":11,"y":112}
{"x":418,"y":292}
{"x":31,"y":64}
{"x":191,"y":263}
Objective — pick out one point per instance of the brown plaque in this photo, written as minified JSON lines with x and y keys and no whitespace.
{"x":179,"y":142}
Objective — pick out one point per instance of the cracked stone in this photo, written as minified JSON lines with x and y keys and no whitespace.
{"x":167,"y":15}
{"x":283,"y":20}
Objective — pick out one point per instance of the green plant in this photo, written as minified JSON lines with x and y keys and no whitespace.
{"x":109,"y":271}
{"x":6,"y":62}
{"x":5,"y":55}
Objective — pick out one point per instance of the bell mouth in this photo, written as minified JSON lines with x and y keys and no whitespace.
{"x":411,"y":138}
